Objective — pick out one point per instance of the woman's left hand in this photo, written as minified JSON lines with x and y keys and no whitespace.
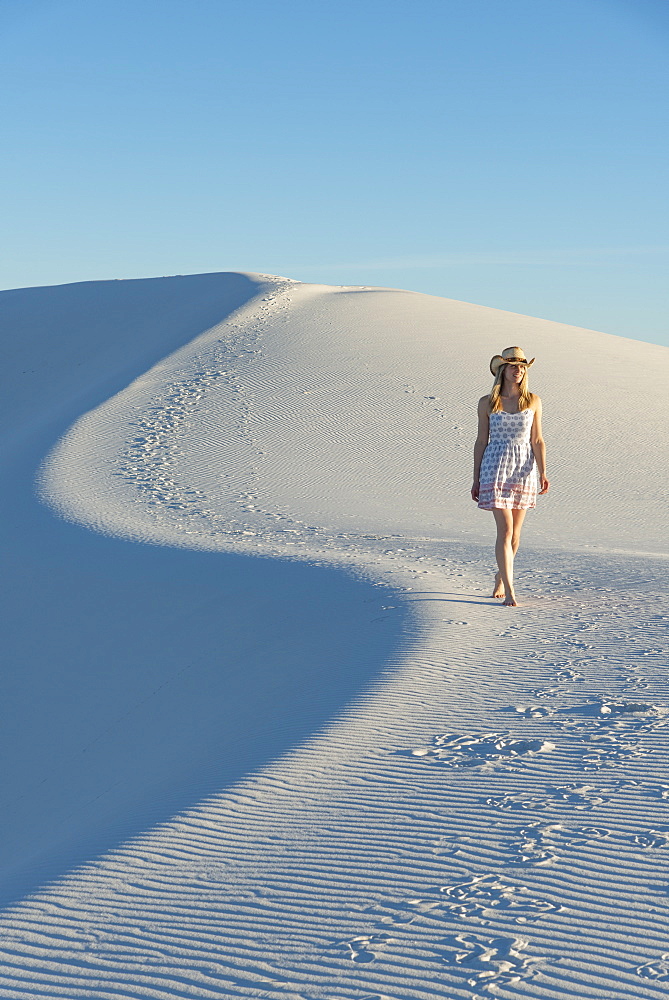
{"x":545,"y":485}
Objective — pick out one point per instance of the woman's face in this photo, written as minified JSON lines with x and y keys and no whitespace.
{"x":513,"y":374}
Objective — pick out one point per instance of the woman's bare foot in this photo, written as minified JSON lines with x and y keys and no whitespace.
{"x":499,"y":586}
{"x":510,"y":601}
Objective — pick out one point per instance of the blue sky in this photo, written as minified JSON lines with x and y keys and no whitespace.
{"x":512,"y":154}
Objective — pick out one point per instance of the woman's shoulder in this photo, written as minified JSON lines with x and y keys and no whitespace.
{"x":535,"y":401}
{"x":482,"y":415}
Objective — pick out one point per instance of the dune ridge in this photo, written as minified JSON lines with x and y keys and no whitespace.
{"x":378,"y":386}
{"x":486,"y":815}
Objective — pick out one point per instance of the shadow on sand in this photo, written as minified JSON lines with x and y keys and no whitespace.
{"x":140,"y":679}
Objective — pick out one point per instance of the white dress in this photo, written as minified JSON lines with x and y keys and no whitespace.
{"x":508,"y":476}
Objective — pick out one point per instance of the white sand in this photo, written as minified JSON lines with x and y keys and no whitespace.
{"x":267,"y":734}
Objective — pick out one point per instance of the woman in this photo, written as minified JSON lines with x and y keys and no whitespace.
{"x":509,"y":459}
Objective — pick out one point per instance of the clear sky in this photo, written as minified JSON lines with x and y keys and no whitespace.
{"x":511,"y":153}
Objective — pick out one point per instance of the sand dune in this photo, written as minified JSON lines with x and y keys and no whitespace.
{"x":268,"y":736}
{"x":353,"y":407}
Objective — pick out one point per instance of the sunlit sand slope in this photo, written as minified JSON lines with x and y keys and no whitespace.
{"x":354,"y":409}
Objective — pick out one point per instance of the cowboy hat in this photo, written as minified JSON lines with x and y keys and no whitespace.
{"x":509,"y":356}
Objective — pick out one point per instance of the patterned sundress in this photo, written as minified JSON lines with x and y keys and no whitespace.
{"x":508,"y":476}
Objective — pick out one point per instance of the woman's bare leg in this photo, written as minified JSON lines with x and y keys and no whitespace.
{"x":504,"y":552}
{"x":518,"y":516}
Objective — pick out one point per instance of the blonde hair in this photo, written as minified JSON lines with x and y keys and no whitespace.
{"x":524,"y":394}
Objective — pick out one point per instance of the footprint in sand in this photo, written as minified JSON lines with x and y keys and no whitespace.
{"x":657,"y":970}
{"x":479,"y":898}
{"x":567,"y":675}
{"x":446,"y":847}
{"x":586,"y":834}
{"x":610,"y":730}
{"x":532,"y":711}
{"x":360,"y":947}
{"x":517,"y":801}
{"x":494,"y":962}
{"x":576,"y":795}
{"x":406,"y":911}
{"x":658,"y":791}
{"x":651,"y":839}
{"x":547,"y":692}
{"x":542,"y":844}
{"x":486,"y":896}
{"x":488,"y":748}
{"x":582,"y":797}
{"x":536,"y":845}
{"x":636,"y":684}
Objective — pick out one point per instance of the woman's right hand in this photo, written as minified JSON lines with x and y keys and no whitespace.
{"x":475,"y":491}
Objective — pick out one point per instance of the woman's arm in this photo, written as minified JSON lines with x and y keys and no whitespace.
{"x":538,"y":445}
{"x":481,"y":442}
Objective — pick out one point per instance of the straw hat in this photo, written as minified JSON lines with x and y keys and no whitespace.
{"x":509,"y":356}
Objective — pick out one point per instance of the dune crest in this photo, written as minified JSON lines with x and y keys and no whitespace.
{"x":354,"y":409}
